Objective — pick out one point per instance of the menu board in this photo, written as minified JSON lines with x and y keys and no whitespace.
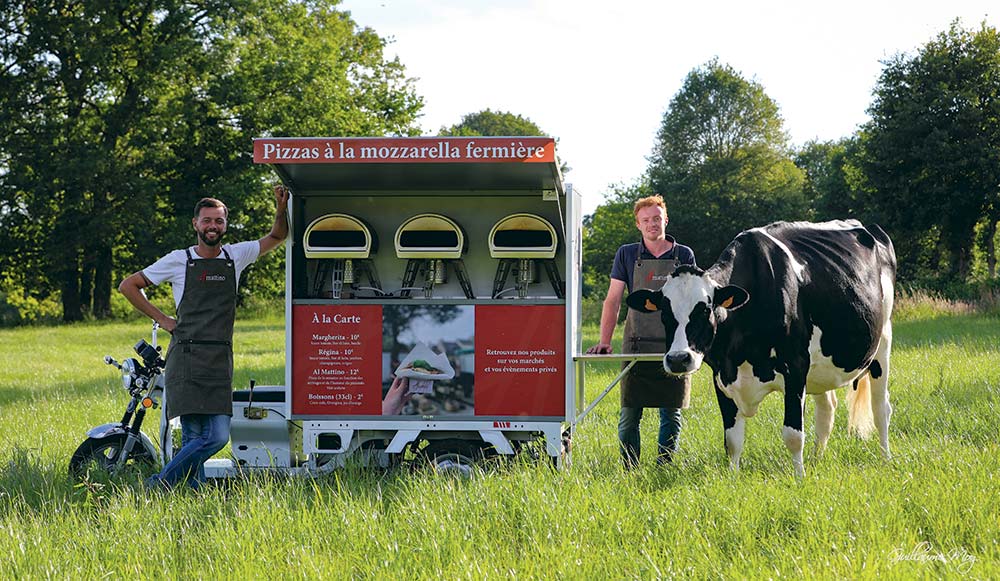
{"x":337,"y":355}
{"x":476,"y":360}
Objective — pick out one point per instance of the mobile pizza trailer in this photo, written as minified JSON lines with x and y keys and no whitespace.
{"x":450,"y":262}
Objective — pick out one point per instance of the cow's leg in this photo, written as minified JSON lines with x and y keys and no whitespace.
{"x":879,"y":370}
{"x":732,"y":425}
{"x":792,"y":433}
{"x":826,"y":405}
{"x":734,"y":440}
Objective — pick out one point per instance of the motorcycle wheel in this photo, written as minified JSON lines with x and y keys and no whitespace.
{"x":101,"y":454}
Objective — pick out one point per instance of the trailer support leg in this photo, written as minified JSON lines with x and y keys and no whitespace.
{"x":553,"y":443}
{"x":400,"y":441}
{"x":594,"y":403}
{"x":497,"y":440}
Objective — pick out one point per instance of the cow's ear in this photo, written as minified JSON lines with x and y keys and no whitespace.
{"x":730,"y":297}
{"x":645,"y":301}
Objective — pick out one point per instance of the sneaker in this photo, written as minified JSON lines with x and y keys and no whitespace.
{"x":156,"y":484}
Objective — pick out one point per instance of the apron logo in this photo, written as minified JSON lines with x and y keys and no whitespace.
{"x":650,"y":277}
{"x":211,"y":277}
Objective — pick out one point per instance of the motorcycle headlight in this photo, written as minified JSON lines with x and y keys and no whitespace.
{"x":129,"y":367}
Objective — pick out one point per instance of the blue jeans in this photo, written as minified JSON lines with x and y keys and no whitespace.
{"x":202,"y":435}
{"x":628,"y":434}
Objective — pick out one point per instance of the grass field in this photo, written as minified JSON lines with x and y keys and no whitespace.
{"x":932,"y":512}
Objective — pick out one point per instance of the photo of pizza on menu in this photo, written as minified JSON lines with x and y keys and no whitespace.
{"x":432,"y":349}
{"x":423,"y":363}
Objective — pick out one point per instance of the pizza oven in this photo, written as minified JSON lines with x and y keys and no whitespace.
{"x":431,"y":244}
{"x":430,"y":236}
{"x":339,"y":236}
{"x":523,"y":244}
{"x":523,"y":236}
{"x":341,"y":248}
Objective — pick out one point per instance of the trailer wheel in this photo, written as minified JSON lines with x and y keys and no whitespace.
{"x":454,"y":456}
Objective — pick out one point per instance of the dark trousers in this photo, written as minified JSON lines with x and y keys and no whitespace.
{"x":628,"y":434}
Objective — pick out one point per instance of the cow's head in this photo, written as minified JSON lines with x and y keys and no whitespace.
{"x":691,"y":306}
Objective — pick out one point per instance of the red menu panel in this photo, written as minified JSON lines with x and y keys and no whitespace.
{"x":520,"y":360}
{"x":337,"y":359}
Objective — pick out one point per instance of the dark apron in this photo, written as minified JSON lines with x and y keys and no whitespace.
{"x":199,"y":373}
{"x":647,"y":384}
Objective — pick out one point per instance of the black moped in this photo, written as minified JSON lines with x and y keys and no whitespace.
{"x":113,"y":447}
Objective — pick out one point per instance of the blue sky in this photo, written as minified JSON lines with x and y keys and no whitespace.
{"x":599,"y":75}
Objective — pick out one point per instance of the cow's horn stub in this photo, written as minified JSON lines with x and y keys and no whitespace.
{"x":651,"y":307}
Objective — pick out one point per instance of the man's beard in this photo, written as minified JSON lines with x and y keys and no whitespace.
{"x":218,"y":238}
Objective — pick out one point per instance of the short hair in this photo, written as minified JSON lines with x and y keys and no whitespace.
{"x":210,"y":203}
{"x":654,"y":200}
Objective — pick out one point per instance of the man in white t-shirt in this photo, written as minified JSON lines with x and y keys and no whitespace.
{"x":199,"y":371}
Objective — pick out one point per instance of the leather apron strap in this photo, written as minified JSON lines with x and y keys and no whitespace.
{"x":199,"y":371}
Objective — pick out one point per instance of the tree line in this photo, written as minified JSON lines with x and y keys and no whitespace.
{"x":119,"y":116}
{"x":926,"y":166}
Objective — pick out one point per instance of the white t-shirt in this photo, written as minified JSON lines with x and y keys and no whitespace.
{"x":172,"y":268}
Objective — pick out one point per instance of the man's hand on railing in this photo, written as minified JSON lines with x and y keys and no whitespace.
{"x":600,"y":349}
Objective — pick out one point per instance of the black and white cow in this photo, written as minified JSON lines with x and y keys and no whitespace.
{"x":794,"y":307}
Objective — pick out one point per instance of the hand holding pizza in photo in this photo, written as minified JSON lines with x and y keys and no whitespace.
{"x":397,"y":397}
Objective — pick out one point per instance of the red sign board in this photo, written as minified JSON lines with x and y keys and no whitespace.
{"x":493,"y":360}
{"x":337,"y":355}
{"x":520,"y":360}
{"x":405,"y":150}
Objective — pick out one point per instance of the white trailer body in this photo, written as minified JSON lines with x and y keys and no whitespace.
{"x":453,"y":262}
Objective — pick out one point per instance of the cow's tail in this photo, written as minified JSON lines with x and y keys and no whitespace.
{"x":860,"y":419}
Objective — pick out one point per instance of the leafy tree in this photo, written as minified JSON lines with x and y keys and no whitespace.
{"x":931,"y":152}
{"x":611,"y":225}
{"x":118,"y":116}
{"x":827,"y":187}
{"x":722,"y":161}
{"x":78,"y":78}
{"x":490,"y":123}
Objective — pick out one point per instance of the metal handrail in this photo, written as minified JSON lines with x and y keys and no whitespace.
{"x":582,"y":358}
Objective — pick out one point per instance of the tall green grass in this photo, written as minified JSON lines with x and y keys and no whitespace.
{"x":931,"y":512}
